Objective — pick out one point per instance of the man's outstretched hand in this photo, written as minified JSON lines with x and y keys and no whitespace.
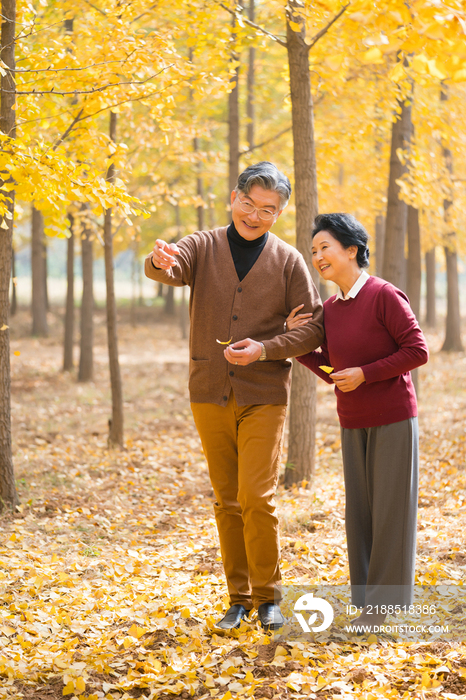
{"x":163,"y":254}
{"x":243,"y":352}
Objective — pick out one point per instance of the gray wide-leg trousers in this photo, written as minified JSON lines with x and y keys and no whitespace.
{"x":381,"y":468}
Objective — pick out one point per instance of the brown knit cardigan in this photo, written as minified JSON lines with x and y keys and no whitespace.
{"x":221,"y":307}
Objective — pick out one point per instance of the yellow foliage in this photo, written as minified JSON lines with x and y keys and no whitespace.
{"x":373,"y":55}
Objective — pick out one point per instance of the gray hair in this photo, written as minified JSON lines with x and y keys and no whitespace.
{"x":268,"y":176}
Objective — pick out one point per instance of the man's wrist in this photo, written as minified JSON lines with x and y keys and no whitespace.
{"x":263,"y":355}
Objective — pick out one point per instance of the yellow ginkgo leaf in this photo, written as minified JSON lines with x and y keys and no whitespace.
{"x":373,"y":55}
{"x":80,"y":684}
{"x":224,"y":342}
{"x":325,"y":368}
{"x":295,"y":26}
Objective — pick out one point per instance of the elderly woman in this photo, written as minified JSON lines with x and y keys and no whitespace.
{"x":372,"y":342}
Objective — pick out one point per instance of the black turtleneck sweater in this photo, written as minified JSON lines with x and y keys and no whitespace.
{"x":243,"y":252}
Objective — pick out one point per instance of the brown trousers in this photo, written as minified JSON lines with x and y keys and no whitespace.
{"x":242,"y":445}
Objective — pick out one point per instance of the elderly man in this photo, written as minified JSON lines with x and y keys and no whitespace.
{"x":244,"y":282}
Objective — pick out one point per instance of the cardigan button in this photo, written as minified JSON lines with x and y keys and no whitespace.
{"x":232,"y":374}
{"x":240,"y":289}
{"x":225,"y":398}
{"x":235,"y":317}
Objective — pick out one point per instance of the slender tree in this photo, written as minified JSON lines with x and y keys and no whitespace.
{"x":139,"y":273}
{"x":183,"y":305}
{"x":14,"y":296}
{"x":301,"y":442}
{"x":199,"y":188}
{"x":69,"y":308}
{"x":301,"y":450}
{"x":380,"y":216}
{"x":379,"y":243}
{"x":233,"y":115}
{"x":8,"y":494}
{"x":134,"y":270}
{"x":413,"y":289}
{"x":39,"y":283}
{"x":323,"y":290}
{"x":86,"y":356}
{"x":452,"y":340}
{"x":46,"y":274}
{"x":169,"y":297}
{"x":199,"y":178}
{"x":431,"y":313}
{"x":394,"y":263}
{"x":250,"y":107}
{"x":68,"y":340}
{"x":115,"y":436}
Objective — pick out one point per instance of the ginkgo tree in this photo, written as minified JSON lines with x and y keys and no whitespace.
{"x":55,"y":152}
{"x":361,"y":34}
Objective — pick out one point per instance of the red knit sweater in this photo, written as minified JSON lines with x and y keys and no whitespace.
{"x":378,"y":332}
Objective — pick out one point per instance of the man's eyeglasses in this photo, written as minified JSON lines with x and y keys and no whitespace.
{"x":263,"y":214}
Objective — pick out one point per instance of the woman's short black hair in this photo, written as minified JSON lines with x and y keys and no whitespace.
{"x":347,"y":230}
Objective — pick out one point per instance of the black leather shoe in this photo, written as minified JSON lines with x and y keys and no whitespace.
{"x":270,"y":616}
{"x":233,"y":618}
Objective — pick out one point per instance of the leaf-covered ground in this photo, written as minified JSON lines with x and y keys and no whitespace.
{"x":110,"y":572}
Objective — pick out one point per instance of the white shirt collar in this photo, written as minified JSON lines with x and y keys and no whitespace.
{"x":355,"y":289}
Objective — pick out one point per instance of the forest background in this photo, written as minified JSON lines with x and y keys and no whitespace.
{"x":122,"y":122}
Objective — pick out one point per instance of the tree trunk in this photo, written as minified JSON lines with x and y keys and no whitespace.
{"x":301,"y":442}
{"x":169,"y":308}
{"x":200,"y":189}
{"x":183,"y":305}
{"x":323,"y":290}
{"x":8,"y":495}
{"x":39,"y":299}
{"x":250,"y":135}
{"x":413,"y":288}
{"x":211,"y":211}
{"x":86,"y":358}
{"x":379,"y":243}
{"x":233,"y":120}
{"x":134,"y":264}
{"x":431,"y":313}
{"x":199,"y":180}
{"x":452,"y":340}
{"x":140,"y":280}
{"x":394,"y":263}
{"x":46,"y":274}
{"x":200,"y":193}
{"x":453,"y":321}
{"x":115,"y":435}
{"x":69,"y":310}
{"x":184,"y":316}
{"x":14,"y":296}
